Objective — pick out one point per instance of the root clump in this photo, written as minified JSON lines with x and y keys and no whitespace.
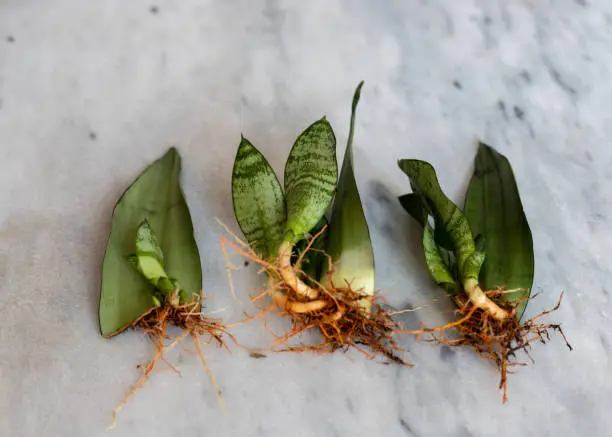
{"x":494,"y":340}
{"x":337,"y":314}
{"x":189,"y":319}
{"x":343,"y":325}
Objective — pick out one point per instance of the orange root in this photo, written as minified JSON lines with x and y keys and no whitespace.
{"x":343,"y":325}
{"x":188,"y":318}
{"x":335,"y":313}
{"x":494,"y":340}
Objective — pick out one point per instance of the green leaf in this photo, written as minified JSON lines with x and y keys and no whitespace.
{"x":150,"y":260}
{"x":313,"y":261}
{"x":414,"y":206}
{"x":425,"y":184}
{"x":349,"y":244}
{"x":149,"y":256}
{"x":438,"y":266}
{"x":311,"y":177}
{"x":156,"y":196}
{"x":495,"y":212}
{"x":437,"y":258}
{"x":147,"y":242}
{"x":259,"y":204}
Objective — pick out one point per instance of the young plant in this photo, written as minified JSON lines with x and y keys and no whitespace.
{"x":482,"y":257}
{"x":142,"y":268}
{"x":321,"y":276}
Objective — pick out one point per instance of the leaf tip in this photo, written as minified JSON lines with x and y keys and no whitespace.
{"x":173,"y":151}
{"x":482,"y":146}
{"x":244,"y":144}
{"x":357,"y":95}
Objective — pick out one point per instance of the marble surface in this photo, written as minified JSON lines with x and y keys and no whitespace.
{"x":90,"y":92}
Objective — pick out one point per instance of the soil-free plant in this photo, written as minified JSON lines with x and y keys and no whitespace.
{"x":320,"y":270}
{"x":151,"y":273}
{"x":482,"y":256}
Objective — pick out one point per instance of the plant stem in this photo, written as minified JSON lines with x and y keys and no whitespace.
{"x":480,"y":300}
{"x":297,"y":307}
{"x":288,"y":273}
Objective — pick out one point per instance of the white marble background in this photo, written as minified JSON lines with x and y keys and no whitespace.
{"x":90,"y":92}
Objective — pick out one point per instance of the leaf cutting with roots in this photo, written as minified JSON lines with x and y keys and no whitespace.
{"x":320,"y":279}
{"x":141,"y":290}
{"x":489,"y":277}
{"x":336,"y":313}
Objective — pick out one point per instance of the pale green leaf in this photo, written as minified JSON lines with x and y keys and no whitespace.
{"x":349,"y":244}
{"x":150,"y":260}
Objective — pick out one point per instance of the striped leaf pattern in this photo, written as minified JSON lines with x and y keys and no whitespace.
{"x":438,"y":266}
{"x":437,"y":257}
{"x":424,"y":183}
{"x":311,"y":177}
{"x":259,"y":204}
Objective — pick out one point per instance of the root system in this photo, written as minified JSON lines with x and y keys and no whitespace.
{"x":336,"y":313}
{"x":494,"y":340}
{"x":342,"y":325}
{"x":188,"y":318}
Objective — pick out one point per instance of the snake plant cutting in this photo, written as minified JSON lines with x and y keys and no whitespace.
{"x":482,"y":256}
{"x":320,"y":270}
{"x":151,"y":274}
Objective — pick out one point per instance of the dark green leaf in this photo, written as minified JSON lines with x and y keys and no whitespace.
{"x":156,"y":196}
{"x":314,"y":259}
{"x":417,"y":209}
{"x":437,"y":258}
{"x":495,"y":212}
{"x":259,"y":204}
{"x":311,"y":177}
{"x":413,"y":205}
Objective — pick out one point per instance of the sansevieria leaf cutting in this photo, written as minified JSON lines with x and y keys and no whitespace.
{"x":320,"y":266}
{"x":482,"y":257}
{"x":151,"y":275}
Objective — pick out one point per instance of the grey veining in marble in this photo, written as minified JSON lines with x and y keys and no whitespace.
{"x":92,"y":91}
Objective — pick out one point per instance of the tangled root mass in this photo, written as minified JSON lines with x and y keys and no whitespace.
{"x":188,"y":318}
{"x":497,"y":341}
{"x":336,"y":313}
